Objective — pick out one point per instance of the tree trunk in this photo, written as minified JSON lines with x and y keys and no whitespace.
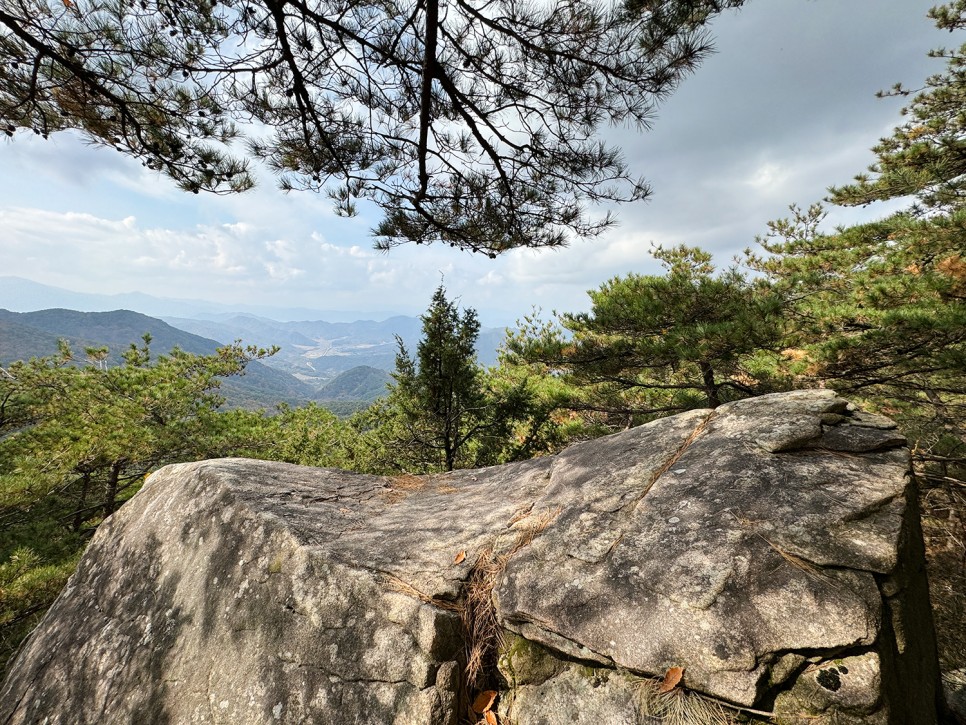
{"x":449,"y":451}
{"x":426,"y":92}
{"x":110,"y":490}
{"x":710,"y":388}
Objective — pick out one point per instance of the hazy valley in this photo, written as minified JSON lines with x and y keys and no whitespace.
{"x":342,"y":365}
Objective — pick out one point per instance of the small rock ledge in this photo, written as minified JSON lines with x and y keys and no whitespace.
{"x":770,"y":548}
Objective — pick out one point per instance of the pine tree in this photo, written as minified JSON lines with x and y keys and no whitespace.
{"x":439,"y":396}
{"x":878,"y":308}
{"x":474,"y":124}
{"x":653,"y":345}
{"x":924,"y":157}
{"x":77,"y":438}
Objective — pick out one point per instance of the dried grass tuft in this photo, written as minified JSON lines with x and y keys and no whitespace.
{"x":479,"y":615}
{"x":798,"y":562}
{"x":680,"y":707}
{"x":673,"y":460}
{"x":476,"y":607}
{"x":396,"y":584}
{"x":520,"y":514}
{"x":484,"y":636}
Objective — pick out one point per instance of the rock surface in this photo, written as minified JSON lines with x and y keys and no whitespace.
{"x":769,"y":547}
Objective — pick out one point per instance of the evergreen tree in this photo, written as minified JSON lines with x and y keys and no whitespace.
{"x":439,"y":396}
{"x":924,"y":157}
{"x":76,"y":440}
{"x":653,"y":345}
{"x":90,"y":431}
{"x":879,"y":308}
{"x":471,"y":123}
{"x":878,"y":312}
{"x":308,"y":435}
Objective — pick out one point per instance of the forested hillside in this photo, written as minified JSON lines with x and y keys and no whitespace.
{"x":876,"y":311}
{"x":24,"y":335}
{"x":361,"y":383}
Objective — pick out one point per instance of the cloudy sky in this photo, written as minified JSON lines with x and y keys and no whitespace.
{"x":785,"y":108}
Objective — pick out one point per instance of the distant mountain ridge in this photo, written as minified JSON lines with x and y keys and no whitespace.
{"x":35,"y":334}
{"x":317,"y":351}
{"x":24,"y":295}
{"x":313,"y":352}
{"x":114,"y":329}
{"x":317,"y":346}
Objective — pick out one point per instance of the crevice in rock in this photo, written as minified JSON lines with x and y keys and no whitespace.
{"x":482,"y":632}
{"x":814,"y":568}
{"x":597,"y":659}
{"x":810,"y":659}
{"x":619,"y":517}
{"x":16,"y":708}
{"x":905,"y":649}
{"x":872,"y":509}
{"x":395,"y":584}
{"x":859,"y":453}
{"x":475,"y":605}
{"x":672,"y":460}
{"x":358,"y":680}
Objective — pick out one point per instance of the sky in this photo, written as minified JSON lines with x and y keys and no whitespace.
{"x":784,"y":109}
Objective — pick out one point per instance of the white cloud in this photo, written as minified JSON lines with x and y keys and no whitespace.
{"x":492,"y":279}
{"x":785,"y":109}
{"x":769,"y":178}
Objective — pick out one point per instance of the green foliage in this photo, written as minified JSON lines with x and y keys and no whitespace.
{"x":926,"y":155}
{"x":438,"y":397}
{"x":77,"y":439}
{"x":309,"y":435}
{"x":556,"y":412}
{"x":444,"y":411}
{"x":879,"y":313}
{"x":28,"y":585}
{"x":345,"y":408}
{"x":878,"y":308}
{"x":361,"y":383}
{"x":653,"y":345}
{"x":104,"y":427}
{"x":474,"y":128}
{"x":527,"y":406}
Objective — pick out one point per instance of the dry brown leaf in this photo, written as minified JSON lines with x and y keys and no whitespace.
{"x":484,"y":701}
{"x":671,"y":679}
{"x":490,"y":718}
{"x":458,"y":559}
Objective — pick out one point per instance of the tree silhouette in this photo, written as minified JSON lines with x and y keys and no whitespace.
{"x":469,"y":122}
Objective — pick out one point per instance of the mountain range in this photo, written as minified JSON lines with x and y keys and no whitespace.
{"x":340,"y":364}
{"x":24,"y":295}
{"x":24,"y":335}
{"x":316,"y":351}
